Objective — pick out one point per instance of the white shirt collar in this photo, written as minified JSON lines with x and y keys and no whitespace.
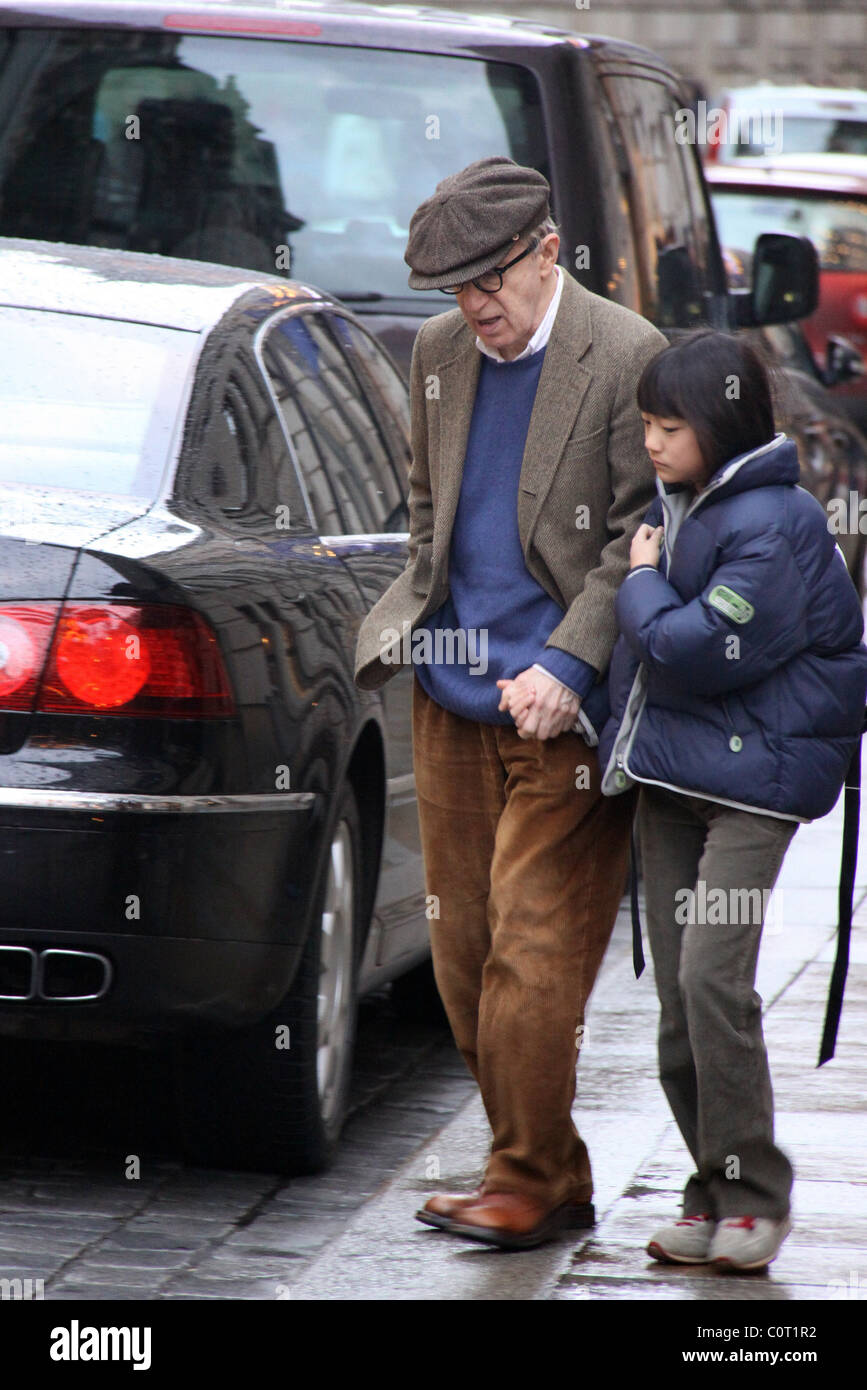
{"x":542,"y":334}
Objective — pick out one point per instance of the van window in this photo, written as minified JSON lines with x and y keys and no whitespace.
{"x":301,"y":159}
{"x":614,"y":232}
{"x":673,"y":243}
{"x":800,"y":134}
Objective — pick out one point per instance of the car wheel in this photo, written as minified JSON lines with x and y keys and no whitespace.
{"x":272,"y":1098}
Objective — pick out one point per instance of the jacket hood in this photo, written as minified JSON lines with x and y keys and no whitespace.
{"x":774,"y":463}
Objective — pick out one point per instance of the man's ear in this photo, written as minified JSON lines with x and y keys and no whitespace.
{"x":548,"y":250}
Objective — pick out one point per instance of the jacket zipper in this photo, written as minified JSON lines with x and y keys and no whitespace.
{"x":736,"y":743}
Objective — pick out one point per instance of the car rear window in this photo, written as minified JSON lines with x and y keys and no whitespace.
{"x":88,"y":404}
{"x":796,"y":134}
{"x":304,"y":159}
{"x":837,"y":227}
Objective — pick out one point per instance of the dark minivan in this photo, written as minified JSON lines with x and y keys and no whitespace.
{"x":298,"y":139}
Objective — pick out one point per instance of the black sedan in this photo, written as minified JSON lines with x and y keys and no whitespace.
{"x":209,"y":837}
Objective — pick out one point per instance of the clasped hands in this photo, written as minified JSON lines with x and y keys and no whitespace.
{"x":540,"y":707}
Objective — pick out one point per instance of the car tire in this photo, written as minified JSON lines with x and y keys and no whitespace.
{"x":416,"y":998}
{"x":272,"y":1098}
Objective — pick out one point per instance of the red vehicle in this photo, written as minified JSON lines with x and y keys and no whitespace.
{"x":824,"y":199}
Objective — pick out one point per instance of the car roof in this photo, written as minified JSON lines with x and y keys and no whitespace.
{"x":793,"y":173}
{"x":133,"y":286}
{"x":411,"y":27}
{"x":799,"y":97}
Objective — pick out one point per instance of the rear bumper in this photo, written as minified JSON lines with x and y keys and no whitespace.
{"x":158,"y":988}
{"x":37,"y":799}
{"x":199,"y":904}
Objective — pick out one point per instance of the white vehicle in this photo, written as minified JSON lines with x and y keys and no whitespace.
{"x":745,"y":122}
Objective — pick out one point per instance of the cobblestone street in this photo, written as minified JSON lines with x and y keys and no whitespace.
{"x":70,"y":1216}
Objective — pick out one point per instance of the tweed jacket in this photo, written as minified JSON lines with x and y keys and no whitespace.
{"x":585,"y":483}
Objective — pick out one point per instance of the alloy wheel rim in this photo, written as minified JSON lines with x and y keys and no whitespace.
{"x":335,"y":972}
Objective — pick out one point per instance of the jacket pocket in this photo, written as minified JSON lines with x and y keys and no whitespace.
{"x":578,"y":445}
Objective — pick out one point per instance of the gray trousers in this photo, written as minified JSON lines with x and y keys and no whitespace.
{"x":708,"y":870}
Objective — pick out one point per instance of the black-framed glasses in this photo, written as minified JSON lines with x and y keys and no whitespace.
{"x":491,"y":282}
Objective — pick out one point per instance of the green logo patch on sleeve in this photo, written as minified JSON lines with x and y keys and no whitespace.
{"x":730,"y":604}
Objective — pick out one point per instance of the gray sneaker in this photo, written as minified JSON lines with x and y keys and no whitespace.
{"x":685,"y":1242}
{"x":748,"y":1242}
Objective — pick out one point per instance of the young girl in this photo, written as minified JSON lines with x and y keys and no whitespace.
{"x":737,"y":692}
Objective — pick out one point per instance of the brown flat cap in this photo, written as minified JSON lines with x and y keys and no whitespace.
{"x":466,"y":226}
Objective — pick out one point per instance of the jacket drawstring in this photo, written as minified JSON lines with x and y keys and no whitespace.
{"x":848,"y":864}
{"x":637,"y":949}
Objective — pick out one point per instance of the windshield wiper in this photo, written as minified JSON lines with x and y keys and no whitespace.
{"x":354,"y":297}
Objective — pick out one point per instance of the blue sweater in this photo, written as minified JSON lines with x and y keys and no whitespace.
{"x":504,"y":612}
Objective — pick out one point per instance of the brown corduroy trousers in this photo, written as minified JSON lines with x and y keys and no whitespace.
{"x":527,"y":865}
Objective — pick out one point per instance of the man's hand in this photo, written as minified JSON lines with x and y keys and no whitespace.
{"x":519,"y":694}
{"x":646,"y":545}
{"x":540,"y":707}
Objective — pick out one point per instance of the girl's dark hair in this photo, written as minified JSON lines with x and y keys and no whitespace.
{"x":719,"y":385}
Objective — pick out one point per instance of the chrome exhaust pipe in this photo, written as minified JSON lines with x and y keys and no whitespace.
{"x":54,"y":976}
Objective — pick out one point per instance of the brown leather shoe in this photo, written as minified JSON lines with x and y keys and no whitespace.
{"x":512,"y":1221}
{"x":444,"y":1206}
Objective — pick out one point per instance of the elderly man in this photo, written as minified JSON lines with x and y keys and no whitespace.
{"x":528,"y":479}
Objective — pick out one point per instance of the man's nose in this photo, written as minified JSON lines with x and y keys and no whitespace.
{"x":473,"y":300}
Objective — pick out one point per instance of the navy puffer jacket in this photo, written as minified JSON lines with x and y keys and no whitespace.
{"x":739,"y":673}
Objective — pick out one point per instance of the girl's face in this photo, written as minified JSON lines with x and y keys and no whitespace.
{"x":673,"y":450}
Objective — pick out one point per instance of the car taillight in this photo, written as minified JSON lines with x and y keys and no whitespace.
{"x":111,"y":658}
{"x":25,"y":632}
{"x":99,"y":658}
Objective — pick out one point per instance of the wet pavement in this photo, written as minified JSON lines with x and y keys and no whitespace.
{"x":73,"y":1215}
{"x":640,"y":1163}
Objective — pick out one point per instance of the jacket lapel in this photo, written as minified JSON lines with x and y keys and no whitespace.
{"x":562,"y":387}
{"x":457,"y":385}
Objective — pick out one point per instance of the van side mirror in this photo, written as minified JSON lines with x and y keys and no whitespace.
{"x":785,"y":281}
